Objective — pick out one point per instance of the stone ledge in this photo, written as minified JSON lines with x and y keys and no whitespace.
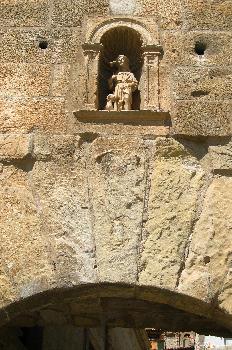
{"x":143,"y":117}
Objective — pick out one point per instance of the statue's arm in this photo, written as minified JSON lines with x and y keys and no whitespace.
{"x":134,"y":83}
{"x":111,"y":83}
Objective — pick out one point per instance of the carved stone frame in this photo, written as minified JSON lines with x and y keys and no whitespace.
{"x":149,"y":82}
{"x":150,"y":77}
{"x":91,"y":54}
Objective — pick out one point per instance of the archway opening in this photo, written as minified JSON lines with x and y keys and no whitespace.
{"x":119,"y":41}
{"x":113,"y":317}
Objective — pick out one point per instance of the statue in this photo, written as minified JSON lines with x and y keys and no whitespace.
{"x":123,"y":83}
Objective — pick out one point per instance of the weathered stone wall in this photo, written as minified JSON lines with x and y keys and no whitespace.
{"x":95,"y":203}
{"x":41,"y":87}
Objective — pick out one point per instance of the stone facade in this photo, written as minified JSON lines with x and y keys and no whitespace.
{"x":120,"y":215}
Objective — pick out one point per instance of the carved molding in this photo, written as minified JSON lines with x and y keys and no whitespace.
{"x":91,"y":53}
{"x":151,"y":54}
{"x":149,"y":81}
{"x":138,"y":26}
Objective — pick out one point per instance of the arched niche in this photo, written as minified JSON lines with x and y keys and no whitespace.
{"x":96,"y":34}
{"x":119,"y":41}
{"x":105,"y":43}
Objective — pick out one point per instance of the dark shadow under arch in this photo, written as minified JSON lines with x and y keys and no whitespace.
{"x":120,"y":305}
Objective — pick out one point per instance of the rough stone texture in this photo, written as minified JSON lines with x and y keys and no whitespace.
{"x":220,"y":157}
{"x":61,"y":65}
{"x":25,"y":114}
{"x":207,"y":15}
{"x":175,"y":186}
{"x":24,"y":80}
{"x":167,"y":13}
{"x":15,"y":146}
{"x":21,"y":13}
{"x":179,"y":48}
{"x":120,"y":8}
{"x":70,"y":13}
{"x":197,"y":83}
{"x":23,"y":45}
{"x":59,"y":196}
{"x":117,"y":185}
{"x":194,"y":118}
{"x":126,"y":219}
{"x":61,"y":80}
{"x":19,"y":224}
{"x":207,"y":271}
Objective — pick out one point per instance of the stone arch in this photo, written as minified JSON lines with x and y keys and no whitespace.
{"x":97,"y":33}
{"x":119,"y":305}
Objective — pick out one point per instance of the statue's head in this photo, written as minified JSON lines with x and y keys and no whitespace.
{"x":122,"y":63}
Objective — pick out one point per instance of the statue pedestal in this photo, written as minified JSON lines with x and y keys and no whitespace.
{"x":139,"y":122}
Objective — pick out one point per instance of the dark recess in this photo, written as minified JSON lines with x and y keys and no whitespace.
{"x":200,"y":48}
{"x":199,"y":93}
{"x":43,"y":45}
{"x":32,"y":337}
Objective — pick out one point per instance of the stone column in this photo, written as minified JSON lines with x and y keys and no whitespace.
{"x":91,"y":53}
{"x":151,"y":54}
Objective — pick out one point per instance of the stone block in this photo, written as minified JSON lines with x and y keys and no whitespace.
{"x":61,"y":80}
{"x":24,"y":79}
{"x":117,"y":188}
{"x":179,"y":48}
{"x":54,"y":146}
{"x":22,"y":46}
{"x":24,"y":248}
{"x":61,"y":186}
{"x":202,"y":118}
{"x":98,"y":7}
{"x":147,"y":7}
{"x":167,"y":13}
{"x":25,"y":115}
{"x":24,"y":13}
{"x":207,"y":267}
{"x":208,"y":15}
{"x":175,"y":184}
{"x":170,"y":13}
{"x":69,"y":13}
{"x":144,"y":123}
{"x":66,"y":45}
{"x":201,"y":83}
{"x":15,"y":146}
{"x":120,"y":7}
{"x":78,"y":84}
{"x":220,"y":157}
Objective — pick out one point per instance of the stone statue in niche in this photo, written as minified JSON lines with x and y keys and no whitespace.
{"x":122,"y":84}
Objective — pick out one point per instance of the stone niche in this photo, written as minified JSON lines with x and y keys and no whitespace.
{"x":122,"y":36}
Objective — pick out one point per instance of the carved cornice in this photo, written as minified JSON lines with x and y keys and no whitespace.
{"x":136,"y":117}
{"x":152,"y":49}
